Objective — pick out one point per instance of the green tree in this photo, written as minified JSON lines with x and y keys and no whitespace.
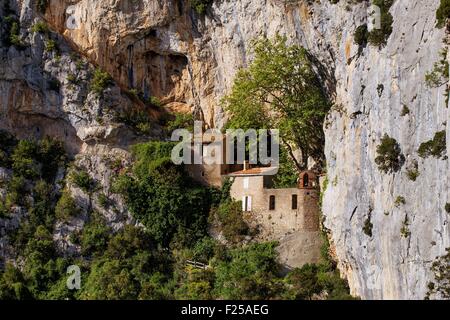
{"x":280,"y":89}
{"x":109,"y":280}
{"x":12,"y":284}
{"x":250,"y":273}
{"x":304,"y":282}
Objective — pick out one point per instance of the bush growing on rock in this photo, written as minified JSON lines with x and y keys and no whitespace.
{"x":390,"y":157}
{"x":447,"y":207}
{"x":443,"y":13}
{"x":200,"y":5}
{"x":361,"y":35}
{"x":100,"y":81}
{"x":379,"y":37}
{"x":435,"y":147}
{"x":82,"y":180}
{"x":42,"y":5}
{"x":66,"y":207}
{"x":440,"y":73}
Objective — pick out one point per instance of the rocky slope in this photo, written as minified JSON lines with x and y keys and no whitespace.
{"x":164,"y":49}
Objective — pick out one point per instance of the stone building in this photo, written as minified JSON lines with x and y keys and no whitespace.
{"x":289,"y":215}
{"x":294,"y":209}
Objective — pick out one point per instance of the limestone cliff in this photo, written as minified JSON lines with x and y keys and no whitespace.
{"x":163,"y":48}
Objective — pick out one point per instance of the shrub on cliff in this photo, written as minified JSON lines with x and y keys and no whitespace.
{"x":436,"y":147}
{"x":161,"y":196}
{"x":100,"y":81}
{"x":40,"y":27}
{"x":66,"y":207}
{"x":379,"y":37}
{"x":280,"y":89}
{"x":390,"y":157}
{"x":200,"y":5}
{"x":361,"y":35}
{"x":443,"y":13}
{"x":42,"y":5}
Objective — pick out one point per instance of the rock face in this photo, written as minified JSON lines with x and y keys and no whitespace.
{"x":164,"y":49}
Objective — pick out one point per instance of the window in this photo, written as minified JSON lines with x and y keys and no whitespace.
{"x":246,"y":203}
{"x":294,"y":202}
{"x":246,"y":183}
{"x":305,"y":180}
{"x":272,"y":203}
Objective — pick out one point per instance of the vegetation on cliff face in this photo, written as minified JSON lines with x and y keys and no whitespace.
{"x":389,"y":155}
{"x":200,"y":6}
{"x":135,"y":262}
{"x":379,"y":37}
{"x":443,"y":13}
{"x":436,"y":147}
{"x":441,"y":270}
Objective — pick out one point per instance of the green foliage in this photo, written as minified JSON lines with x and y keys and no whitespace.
{"x":12,"y":286}
{"x":405,"y":111}
{"x":200,"y":5}
{"x":138,"y":263}
{"x":51,"y":46}
{"x":139,"y":120}
{"x":95,"y":236}
{"x":441,"y":271}
{"x":11,"y":35}
{"x":280,"y":89}
{"x":72,"y":78}
{"x":11,"y":26}
{"x":447,"y":207}
{"x":379,"y":37}
{"x":204,"y":250}
{"x":287,"y":174}
{"x":163,"y":197}
{"x":82,"y":180}
{"x":368,"y":226}
{"x":361,"y":35}
{"x":304,"y":282}
{"x":40,"y":27}
{"x":103,"y":200}
{"x":24,"y":159}
{"x":41,"y":268}
{"x":15,"y":34}
{"x":390,"y":157}
{"x":249,"y":273}
{"x":443,"y":13}
{"x":154,"y":101}
{"x":100,"y":81}
{"x":197,"y":285}
{"x":42,"y":5}
{"x":31,"y":159}
{"x":127,"y":268}
{"x":400,"y":200}
{"x":66,"y":207}
{"x":435,"y":147}
{"x":232,"y":225}
{"x":181,"y":121}
{"x":413,"y":173}
{"x":17,"y":190}
{"x":404,"y":230}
